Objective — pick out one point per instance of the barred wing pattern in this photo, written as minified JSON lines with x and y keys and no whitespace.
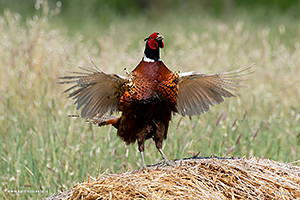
{"x":96,"y":91}
{"x":197,"y":92}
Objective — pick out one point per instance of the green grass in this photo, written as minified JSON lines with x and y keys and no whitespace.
{"x":43,"y":148}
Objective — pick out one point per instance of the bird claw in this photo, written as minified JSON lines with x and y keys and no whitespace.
{"x":165,"y":161}
{"x":168,"y":163}
{"x":143,"y":167}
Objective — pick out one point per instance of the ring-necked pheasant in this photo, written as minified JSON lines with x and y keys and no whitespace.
{"x":148,"y":96}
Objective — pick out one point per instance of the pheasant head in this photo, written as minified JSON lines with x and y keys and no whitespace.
{"x":153,"y":43}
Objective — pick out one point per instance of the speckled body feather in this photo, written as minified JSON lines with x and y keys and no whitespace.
{"x":147,"y":103}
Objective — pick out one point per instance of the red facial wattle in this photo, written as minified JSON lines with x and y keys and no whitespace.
{"x":152,"y":42}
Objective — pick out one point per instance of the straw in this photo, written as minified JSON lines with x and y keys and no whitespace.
{"x":196,"y":178}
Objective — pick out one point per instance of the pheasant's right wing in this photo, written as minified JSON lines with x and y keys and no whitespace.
{"x":96,"y":91}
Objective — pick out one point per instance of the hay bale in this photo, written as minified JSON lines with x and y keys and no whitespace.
{"x":197,"y":178}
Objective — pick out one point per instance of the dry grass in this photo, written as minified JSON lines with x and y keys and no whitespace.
{"x":204,"y":178}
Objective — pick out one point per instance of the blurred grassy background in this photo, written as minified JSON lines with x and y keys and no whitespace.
{"x":43,"y":149}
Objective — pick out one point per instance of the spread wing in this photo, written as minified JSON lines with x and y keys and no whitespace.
{"x":197,"y":92}
{"x":96,"y":91}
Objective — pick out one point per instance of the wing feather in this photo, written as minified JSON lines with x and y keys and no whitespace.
{"x":202,"y":103}
{"x":97,"y":92}
{"x":197,"y":92}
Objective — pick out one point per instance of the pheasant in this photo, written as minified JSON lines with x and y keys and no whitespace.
{"x":148,"y":96}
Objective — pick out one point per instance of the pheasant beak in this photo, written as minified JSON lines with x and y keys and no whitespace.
{"x":159,"y":37}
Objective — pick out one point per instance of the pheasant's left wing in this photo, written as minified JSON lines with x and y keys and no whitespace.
{"x":199,"y":91}
{"x":96,"y":91}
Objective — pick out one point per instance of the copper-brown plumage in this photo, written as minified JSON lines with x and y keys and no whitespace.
{"x":148,"y":96}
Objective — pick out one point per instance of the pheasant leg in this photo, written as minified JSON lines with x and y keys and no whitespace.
{"x":166,"y":161}
{"x":143,"y":160}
